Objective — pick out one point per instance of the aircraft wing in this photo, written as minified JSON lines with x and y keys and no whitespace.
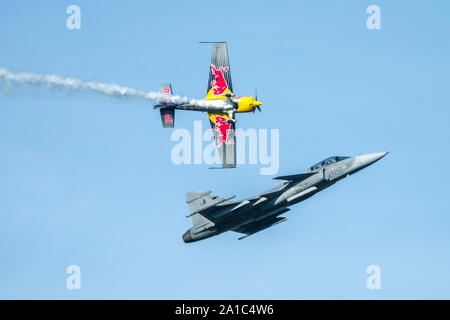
{"x":258,"y":226}
{"x":206,"y":211}
{"x":219,"y":84}
{"x":224,"y":136}
{"x":296,"y":177}
{"x":219,"y":81}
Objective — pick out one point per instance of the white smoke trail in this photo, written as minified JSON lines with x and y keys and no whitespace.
{"x":107,"y":89}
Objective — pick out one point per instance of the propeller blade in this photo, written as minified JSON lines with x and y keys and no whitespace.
{"x":256,"y":100}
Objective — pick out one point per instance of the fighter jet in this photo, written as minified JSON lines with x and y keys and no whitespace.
{"x":212,"y":215}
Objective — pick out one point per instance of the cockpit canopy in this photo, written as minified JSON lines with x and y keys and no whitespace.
{"x":327,"y":161}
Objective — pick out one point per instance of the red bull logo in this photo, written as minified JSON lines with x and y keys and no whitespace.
{"x":222,"y":128}
{"x":165,"y":91}
{"x":168,"y":118}
{"x":219,"y":84}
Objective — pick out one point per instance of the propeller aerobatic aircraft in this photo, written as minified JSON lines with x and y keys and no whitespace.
{"x":220,"y":103}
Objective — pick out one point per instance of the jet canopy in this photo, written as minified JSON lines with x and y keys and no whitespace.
{"x":328,"y":161}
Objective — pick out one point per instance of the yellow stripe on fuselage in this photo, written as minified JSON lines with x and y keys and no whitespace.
{"x":211,"y":96}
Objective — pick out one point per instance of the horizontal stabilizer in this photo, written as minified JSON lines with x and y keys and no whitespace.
{"x":167,"y":117}
{"x":167,"y":109}
{"x":295,"y":177}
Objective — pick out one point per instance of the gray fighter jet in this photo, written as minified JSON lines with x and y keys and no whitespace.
{"x":212,"y":215}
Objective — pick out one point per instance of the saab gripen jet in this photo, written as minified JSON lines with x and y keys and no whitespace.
{"x":222,"y":105}
{"x":213,"y":215}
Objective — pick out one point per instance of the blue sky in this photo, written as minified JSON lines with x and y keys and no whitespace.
{"x":88,"y":180}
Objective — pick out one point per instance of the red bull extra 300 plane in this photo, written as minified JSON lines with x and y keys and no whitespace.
{"x":220,"y":103}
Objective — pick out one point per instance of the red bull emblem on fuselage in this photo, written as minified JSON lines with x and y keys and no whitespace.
{"x":219,"y":84}
{"x":222,"y":128}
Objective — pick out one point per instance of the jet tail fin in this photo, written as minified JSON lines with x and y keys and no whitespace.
{"x":196,"y":200}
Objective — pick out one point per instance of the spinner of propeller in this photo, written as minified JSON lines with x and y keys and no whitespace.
{"x":257,"y":103}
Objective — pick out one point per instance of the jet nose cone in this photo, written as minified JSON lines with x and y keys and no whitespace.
{"x":367,"y":159}
{"x":187,"y":237}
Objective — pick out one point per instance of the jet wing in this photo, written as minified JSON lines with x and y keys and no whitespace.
{"x":296,"y":177}
{"x":216,"y":208}
{"x":207,"y":211}
{"x":271,"y":193}
{"x":258,"y":226}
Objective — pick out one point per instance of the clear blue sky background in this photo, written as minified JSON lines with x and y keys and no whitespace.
{"x":88,"y":180}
